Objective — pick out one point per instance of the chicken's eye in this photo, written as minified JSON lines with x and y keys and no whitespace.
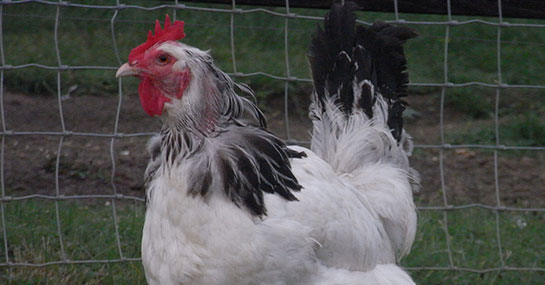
{"x":163,"y":59}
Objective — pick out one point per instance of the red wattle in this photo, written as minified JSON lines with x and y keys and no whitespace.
{"x":151,"y":98}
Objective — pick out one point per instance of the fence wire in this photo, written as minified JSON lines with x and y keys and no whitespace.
{"x":288,"y":15}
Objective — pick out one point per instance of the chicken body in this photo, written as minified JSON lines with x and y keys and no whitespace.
{"x":332,"y":235}
{"x":230,"y":203}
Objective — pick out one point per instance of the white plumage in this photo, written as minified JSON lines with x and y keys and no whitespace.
{"x":334,"y":234}
{"x":229,"y":203}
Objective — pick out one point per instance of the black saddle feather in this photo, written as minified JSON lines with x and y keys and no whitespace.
{"x":255,"y":163}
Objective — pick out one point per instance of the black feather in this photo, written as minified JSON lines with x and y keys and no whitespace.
{"x":295,"y":154}
{"x":268,"y":177}
{"x":343,"y":53}
{"x":330,"y":68}
{"x":249,"y":160}
{"x":395,"y":119}
{"x":200,"y":181}
{"x":254,"y":163}
{"x":227,"y":175}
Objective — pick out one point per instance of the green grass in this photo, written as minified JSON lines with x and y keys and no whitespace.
{"x":526,"y":129}
{"x":85,"y":38}
{"x":259,"y":43}
{"x":474,"y":245}
{"x":88,"y":233}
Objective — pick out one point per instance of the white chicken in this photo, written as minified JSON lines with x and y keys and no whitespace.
{"x":230,"y":203}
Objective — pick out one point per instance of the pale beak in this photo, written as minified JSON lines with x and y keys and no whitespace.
{"x":127,"y":70}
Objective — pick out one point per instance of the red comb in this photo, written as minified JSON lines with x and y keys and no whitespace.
{"x":171,"y":32}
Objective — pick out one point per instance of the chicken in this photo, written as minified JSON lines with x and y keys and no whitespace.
{"x":230,"y":203}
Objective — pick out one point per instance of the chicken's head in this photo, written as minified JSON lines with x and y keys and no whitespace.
{"x":182,"y":82}
{"x":163,"y":66}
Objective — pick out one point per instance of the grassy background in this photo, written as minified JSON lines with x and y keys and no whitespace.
{"x":88,"y":233}
{"x":85,"y":39}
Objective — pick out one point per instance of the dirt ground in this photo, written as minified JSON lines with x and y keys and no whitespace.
{"x":86,"y":164}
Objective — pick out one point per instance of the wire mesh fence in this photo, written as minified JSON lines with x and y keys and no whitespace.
{"x":287,"y":16}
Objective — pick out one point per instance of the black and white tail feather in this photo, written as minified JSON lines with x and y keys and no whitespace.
{"x":359,"y":79}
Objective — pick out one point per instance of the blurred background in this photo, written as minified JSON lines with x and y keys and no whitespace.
{"x":73,"y":136}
